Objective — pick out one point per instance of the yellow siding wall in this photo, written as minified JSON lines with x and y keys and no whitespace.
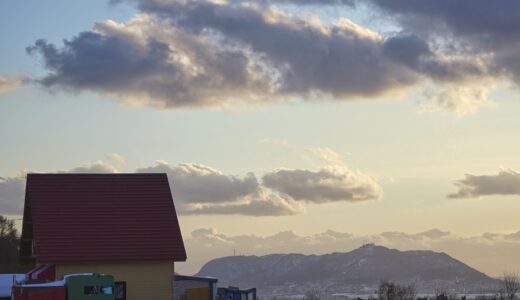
{"x":144,"y":281}
{"x":197,"y":294}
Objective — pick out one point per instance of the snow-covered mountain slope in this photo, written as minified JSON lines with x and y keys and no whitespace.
{"x":360,"y":270}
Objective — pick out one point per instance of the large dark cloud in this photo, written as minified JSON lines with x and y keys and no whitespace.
{"x":301,"y":2}
{"x":415,"y":53}
{"x":208,"y":53}
{"x":147,"y":61}
{"x":489,"y":21}
{"x":342,"y":59}
{"x":506,"y":182}
{"x":213,"y":53}
{"x":313,"y":2}
{"x":202,"y":53}
{"x":474,"y":28}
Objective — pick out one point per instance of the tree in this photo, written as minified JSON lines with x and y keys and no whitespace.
{"x":391,"y":291}
{"x":7,"y":229}
{"x":510,"y":286}
{"x":9,"y":247}
{"x":406,"y":292}
{"x":312,"y":295}
{"x":443,"y":293}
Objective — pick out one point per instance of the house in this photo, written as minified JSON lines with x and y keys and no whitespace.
{"x":124,"y":225}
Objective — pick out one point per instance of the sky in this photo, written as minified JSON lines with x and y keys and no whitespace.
{"x":283,"y":125}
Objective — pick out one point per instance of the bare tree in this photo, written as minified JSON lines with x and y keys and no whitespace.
{"x":391,"y":291}
{"x":443,"y":293}
{"x":406,"y":292}
{"x":510,"y":286}
{"x":312,"y":295}
{"x":7,"y":229}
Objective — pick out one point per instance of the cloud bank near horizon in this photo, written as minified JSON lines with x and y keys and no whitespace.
{"x":175,"y":54}
{"x":492,"y":253}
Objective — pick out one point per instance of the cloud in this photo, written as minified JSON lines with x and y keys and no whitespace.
{"x":12,"y":188}
{"x":195,"y":183}
{"x":475,"y":29}
{"x":322,"y":156}
{"x":12,"y":191}
{"x":277,"y":142}
{"x":95,"y":167}
{"x":416,"y":53}
{"x":118,"y":160}
{"x":481,"y":19}
{"x":506,"y":182}
{"x":202,"y":53}
{"x":434,"y":233}
{"x":176,"y":54}
{"x":9,"y":83}
{"x":331,"y":184}
{"x":302,"y":2}
{"x":461,"y":100}
{"x":342,"y":60}
{"x":146,"y":60}
{"x":203,"y":190}
{"x":261,"y":203}
{"x":492,"y":256}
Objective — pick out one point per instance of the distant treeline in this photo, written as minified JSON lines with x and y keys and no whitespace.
{"x":508,"y":289}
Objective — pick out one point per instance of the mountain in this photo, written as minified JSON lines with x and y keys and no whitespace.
{"x":358,"y":271}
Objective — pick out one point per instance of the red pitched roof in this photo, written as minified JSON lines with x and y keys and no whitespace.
{"x":102,"y":217}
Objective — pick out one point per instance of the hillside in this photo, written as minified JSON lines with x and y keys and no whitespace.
{"x":358,"y":271}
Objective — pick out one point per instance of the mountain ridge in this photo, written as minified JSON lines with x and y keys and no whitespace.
{"x":359,"y":270}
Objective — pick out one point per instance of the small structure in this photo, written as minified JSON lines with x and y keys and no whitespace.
{"x":6,"y":284}
{"x":194,"y":288}
{"x":124,"y":225}
{"x":234,"y":293}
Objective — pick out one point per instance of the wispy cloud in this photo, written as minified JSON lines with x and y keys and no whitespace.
{"x":118,"y":160}
{"x":320,"y":156}
{"x":278,"y":142}
{"x":9,"y":83}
